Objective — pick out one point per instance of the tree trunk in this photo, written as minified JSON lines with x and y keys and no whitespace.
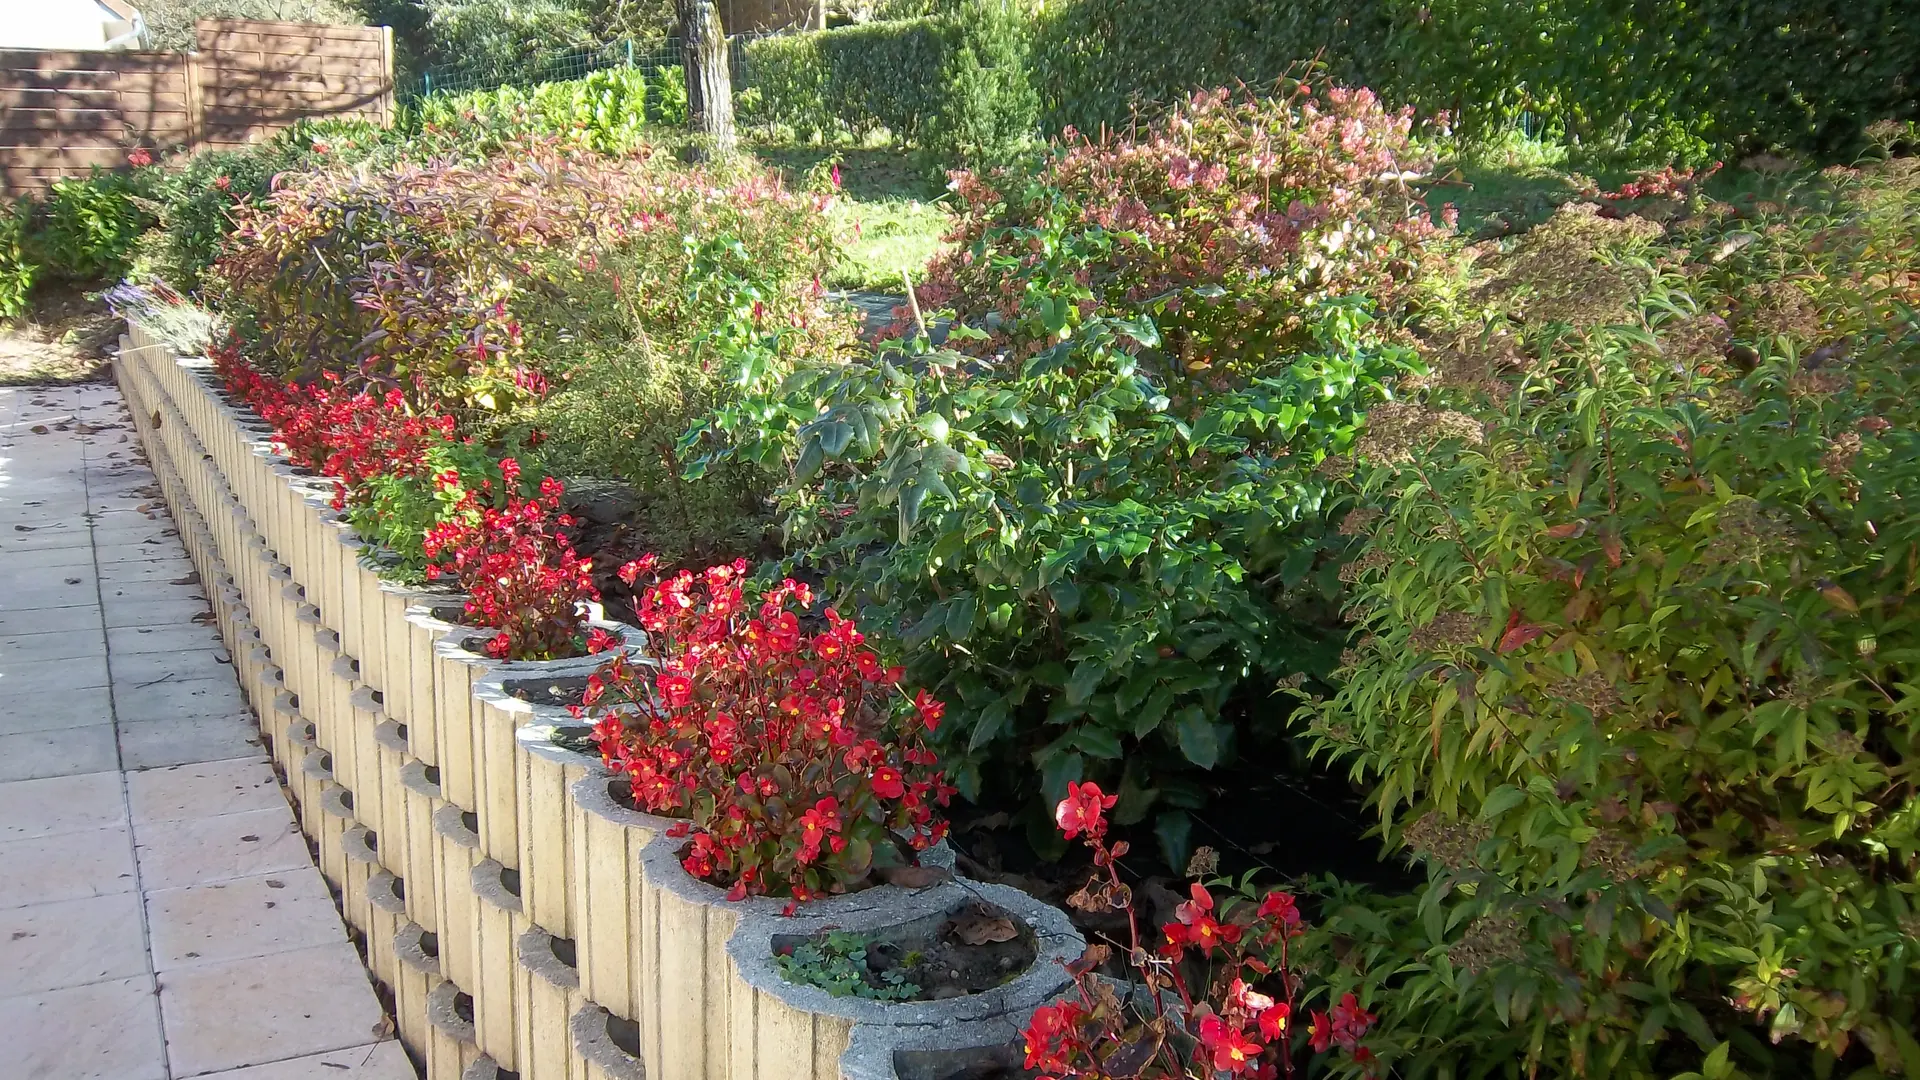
{"x":709,"y":82}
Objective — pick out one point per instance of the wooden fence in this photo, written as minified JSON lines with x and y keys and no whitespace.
{"x":63,"y":112}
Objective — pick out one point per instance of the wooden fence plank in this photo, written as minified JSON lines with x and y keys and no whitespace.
{"x":59,"y":97}
{"x":256,"y":26}
{"x":65,"y":111}
{"x":287,"y":63}
{"x":118,"y":123}
{"x":90,"y":60}
{"x":363,"y":48}
{"x":134,"y":82}
{"x":269,"y":97}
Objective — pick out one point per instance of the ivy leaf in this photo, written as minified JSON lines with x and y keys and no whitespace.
{"x":812,"y":457}
{"x":912,"y":497}
{"x":1097,"y":742}
{"x":1066,"y":596}
{"x":989,"y":724}
{"x":1199,"y":739}
{"x":1154,"y":710}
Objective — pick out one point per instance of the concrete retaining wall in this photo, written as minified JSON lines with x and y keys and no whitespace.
{"x":525,"y":920}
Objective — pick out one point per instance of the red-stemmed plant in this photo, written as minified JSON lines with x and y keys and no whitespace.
{"x":1220,"y":990}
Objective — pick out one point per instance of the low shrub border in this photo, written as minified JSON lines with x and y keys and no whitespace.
{"x":178,"y":391}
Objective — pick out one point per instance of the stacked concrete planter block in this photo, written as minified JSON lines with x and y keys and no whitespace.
{"x":526,"y":920}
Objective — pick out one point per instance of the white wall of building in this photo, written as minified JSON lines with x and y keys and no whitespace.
{"x":62,"y":24}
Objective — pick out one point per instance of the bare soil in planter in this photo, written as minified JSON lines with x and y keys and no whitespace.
{"x":976,"y":1063}
{"x":971,"y":947}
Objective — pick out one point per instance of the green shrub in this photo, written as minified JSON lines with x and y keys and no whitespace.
{"x":1717,"y":76}
{"x":17,"y":268}
{"x":605,"y":111}
{"x":667,"y":96}
{"x":403,"y":275}
{"x":543,"y":286}
{"x":954,"y":84}
{"x":1100,"y":534}
{"x":636,"y":342}
{"x":193,"y":200}
{"x":85,"y":230}
{"x":1634,"y":681}
{"x":1229,"y":220}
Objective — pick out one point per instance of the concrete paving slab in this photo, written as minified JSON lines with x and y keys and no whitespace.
{"x":209,"y":789}
{"x":61,"y":804}
{"x":105,"y":1031}
{"x":50,"y":679}
{"x":160,"y":743}
{"x":379,"y":1061}
{"x":266,"y":1009}
{"x":71,"y":943}
{"x":176,"y":854}
{"x":68,"y":866}
{"x":64,"y":752}
{"x":244,"y":917}
{"x":165,"y":698}
{"x":58,"y":645}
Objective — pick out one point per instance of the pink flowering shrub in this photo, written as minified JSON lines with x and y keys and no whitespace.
{"x":1221,"y":988}
{"x":797,"y":756}
{"x":1228,"y":218}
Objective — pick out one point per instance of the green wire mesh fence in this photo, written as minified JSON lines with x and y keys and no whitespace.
{"x":648,"y":57}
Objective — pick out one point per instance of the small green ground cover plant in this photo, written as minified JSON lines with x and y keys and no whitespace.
{"x":837,"y":963}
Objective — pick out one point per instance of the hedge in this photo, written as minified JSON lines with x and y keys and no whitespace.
{"x":954,"y":83}
{"x":1694,"y":76}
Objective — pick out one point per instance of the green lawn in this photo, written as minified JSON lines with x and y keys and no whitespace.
{"x":890,"y":216}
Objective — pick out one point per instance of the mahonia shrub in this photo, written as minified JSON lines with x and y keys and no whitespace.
{"x":798,"y":759}
{"x":1634,"y":677}
{"x":1228,"y":219}
{"x":1215,"y":992}
{"x":1090,"y":552}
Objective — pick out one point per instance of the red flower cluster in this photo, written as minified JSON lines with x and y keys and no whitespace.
{"x":1237,"y":1023}
{"x":799,"y":759}
{"x":520,"y":573}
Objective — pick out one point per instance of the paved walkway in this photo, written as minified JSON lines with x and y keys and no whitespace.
{"x":160,"y":916}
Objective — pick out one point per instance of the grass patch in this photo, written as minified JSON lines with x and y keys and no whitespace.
{"x":890,"y":216}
